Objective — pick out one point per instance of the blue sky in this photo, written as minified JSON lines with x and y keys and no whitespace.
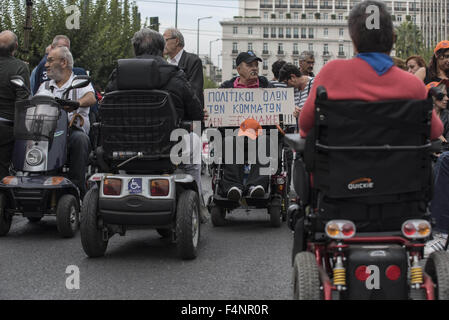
{"x":188,"y":15}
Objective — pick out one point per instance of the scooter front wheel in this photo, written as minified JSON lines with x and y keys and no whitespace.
{"x":67,"y":216}
{"x":5,"y":218}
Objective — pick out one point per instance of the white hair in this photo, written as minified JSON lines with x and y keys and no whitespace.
{"x":64,"y":53}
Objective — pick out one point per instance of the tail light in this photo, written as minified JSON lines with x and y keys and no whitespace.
{"x":159,"y":187}
{"x":11,"y":180}
{"x":53,"y":181}
{"x":416,"y":229}
{"x":112,"y":187}
{"x":340,"y":229}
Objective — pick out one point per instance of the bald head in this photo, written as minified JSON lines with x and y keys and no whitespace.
{"x":8,"y":43}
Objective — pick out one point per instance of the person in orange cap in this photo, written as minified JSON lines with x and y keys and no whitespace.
{"x":440,"y":106}
{"x":232,"y":183}
{"x":439,"y":65}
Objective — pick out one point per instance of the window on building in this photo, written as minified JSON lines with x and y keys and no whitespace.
{"x":326,"y":32}
{"x":324,"y":61}
{"x":326,"y":16}
{"x":310,"y":46}
{"x":233,"y":64}
{"x":295,"y":15}
{"x":280,"y":48}
{"x":310,"y":16}
{"x":303,"y":33}
{"x":340,"y":16}
{"x":326,"y":3}
{"x":250,"y":30}
{"x":399,"y":17}
{"x":235,"y":30}
{"x":273,"y":32}
{"x":234,"y":47}
{"x":281,"y":15}
{"x":265,"y":65}
{"x":340,"y":49}
{"x":250,"y":46}
{"x":265,"y":15}
{"x":295,"y":48}
{"x":326,"y":48}
{"x":310,"y":33}
{"x":295,"y":33}
{"x":281,"y":33}
{"x":341,"y":32}
{"x":296,"y":62}
{"x":265,"y":32}
{"x":265,"y":47}
{"x":288,"y":32}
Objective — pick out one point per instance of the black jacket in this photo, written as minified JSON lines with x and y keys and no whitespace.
{"x":9,"y":94}
{"x":192,"y":66}
{"x":175,"y":82}
{"x":263,"y":83}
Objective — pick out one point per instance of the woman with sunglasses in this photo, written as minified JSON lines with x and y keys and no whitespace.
{"x":439,"y":65}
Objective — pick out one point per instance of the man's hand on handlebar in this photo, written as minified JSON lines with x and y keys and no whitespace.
{"x":68,"y":105}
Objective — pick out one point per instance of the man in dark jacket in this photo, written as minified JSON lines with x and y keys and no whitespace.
{"x":188,"y":62}
{"x":149,"y":44}
{"x":9,"y":66}
{"x":232,"y":183}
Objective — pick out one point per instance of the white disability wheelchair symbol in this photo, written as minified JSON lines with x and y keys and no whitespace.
{"x":134,"y":185}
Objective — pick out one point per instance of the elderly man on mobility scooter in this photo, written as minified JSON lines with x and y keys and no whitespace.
{"x":146,"y":100}
{"x":369,"y":162}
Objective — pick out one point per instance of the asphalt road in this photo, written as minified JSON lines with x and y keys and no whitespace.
{"x":247,"y":259}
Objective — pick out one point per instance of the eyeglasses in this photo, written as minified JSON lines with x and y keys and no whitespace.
{"x":169,"y":39}
{"x":444,"y":57}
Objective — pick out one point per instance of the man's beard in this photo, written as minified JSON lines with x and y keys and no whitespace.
{"x":56,"y":74}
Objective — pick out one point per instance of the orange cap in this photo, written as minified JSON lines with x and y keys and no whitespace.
{"x":250,"y":128}
{"x":441,"y":45}
{"x":433,"y":84}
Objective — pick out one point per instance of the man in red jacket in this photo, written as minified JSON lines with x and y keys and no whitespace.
{"x":371,"y":75}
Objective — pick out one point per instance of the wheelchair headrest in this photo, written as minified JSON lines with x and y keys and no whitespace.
{"x":137,"y":74}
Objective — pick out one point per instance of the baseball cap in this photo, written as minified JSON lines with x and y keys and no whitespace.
{"x":250,"y":128}
{"x":433,"y":84}
{"x":441,"y":45}
{"x":246,"y":57}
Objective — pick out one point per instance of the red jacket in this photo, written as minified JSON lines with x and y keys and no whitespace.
{"x":355,"y":79}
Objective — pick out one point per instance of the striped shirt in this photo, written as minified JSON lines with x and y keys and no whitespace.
{"x":303,"y":94}
{"x":278,"y":84}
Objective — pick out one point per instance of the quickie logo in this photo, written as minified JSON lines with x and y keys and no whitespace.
{"x":361,"y":183}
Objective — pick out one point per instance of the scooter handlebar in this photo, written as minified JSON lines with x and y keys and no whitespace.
{"x":73,"y":105}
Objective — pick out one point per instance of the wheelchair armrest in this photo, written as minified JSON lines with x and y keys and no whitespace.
{"x":294,"y":141}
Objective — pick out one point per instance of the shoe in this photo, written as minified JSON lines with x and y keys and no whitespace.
{"x":234,"y":194}
{"x":256,"y":192}
{"x":436,"y":244}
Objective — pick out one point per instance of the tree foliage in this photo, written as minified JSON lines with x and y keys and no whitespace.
{"x":409,"y":40}
{"x":106,"y":29}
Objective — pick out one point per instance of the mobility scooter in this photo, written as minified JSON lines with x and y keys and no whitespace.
{"x":136,"y":184}
{"x":361,"y":219}
{"x":39,"y":184}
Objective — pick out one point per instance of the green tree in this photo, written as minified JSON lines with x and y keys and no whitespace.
{"x":209,"y":84}
{"x":409,"y":40}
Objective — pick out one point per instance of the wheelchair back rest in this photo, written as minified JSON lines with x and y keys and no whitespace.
{"x":370,"y":149}
{"x":137,"y":74}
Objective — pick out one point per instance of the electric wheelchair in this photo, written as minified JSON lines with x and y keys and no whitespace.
{"x":361,"y":219}
{"x":136,"y":184}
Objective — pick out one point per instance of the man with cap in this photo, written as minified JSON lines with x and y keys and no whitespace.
{"x":233,"y":174}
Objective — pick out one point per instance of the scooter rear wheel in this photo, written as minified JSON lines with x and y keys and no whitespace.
{"x":67,"y":216}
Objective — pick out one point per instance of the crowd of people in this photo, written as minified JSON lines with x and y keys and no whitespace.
{"x":181,"y":73}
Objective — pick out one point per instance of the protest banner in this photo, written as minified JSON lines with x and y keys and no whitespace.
{"x":230,"y":107}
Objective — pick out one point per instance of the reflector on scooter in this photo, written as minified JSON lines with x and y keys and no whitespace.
{"x":112,"y":187}
{"x":159,"y":187}
{"x":53,"y":181}
{"x":340,"y":229}
{"x":416,"y":229}
{"x":13,"y":181}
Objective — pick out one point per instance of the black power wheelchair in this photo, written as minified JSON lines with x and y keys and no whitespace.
{"x":361,"y":219}
{"x":275,"y":199}
{"x":135,"y":184}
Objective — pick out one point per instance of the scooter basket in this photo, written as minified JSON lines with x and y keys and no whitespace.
{"x":36,"y":119}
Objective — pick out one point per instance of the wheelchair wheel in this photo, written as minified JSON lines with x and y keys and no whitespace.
{"x":437,"y":267}
{"x":67,"y":215}
{"x":188,"y":225}
{"x":306,"y":280}
{"x":5,"y":218}
{"x":218,"y":216}
{"x":275,"y":211}
{"x":91,"y":235}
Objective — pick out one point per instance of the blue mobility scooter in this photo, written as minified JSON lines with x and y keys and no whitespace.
{"x":136,"y":184}
{"x":361,"y":224}
{"x":38,"y":184}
